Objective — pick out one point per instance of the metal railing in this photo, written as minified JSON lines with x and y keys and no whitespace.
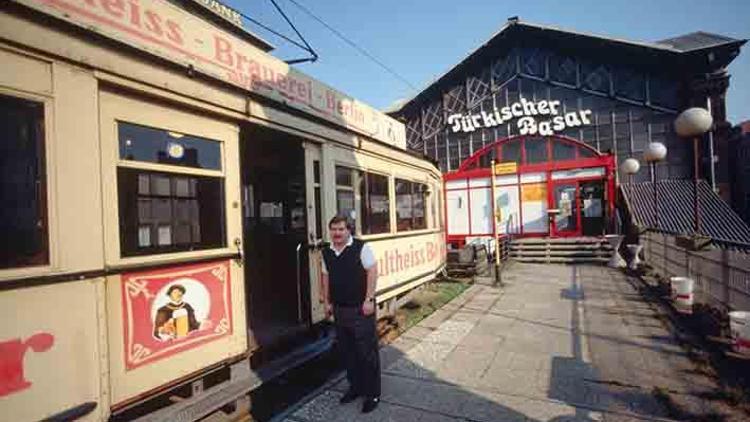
{"x":721,"y":273}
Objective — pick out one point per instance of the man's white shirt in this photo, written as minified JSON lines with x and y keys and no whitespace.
{"x":365,"y":256}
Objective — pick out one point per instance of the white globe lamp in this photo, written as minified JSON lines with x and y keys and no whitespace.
{"x":694,"y":123}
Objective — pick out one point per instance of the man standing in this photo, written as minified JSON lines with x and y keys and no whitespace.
{"x":349,"y":276}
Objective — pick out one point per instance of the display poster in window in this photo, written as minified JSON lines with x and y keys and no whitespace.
{"x":169,"y":311}
{"x":403,"y":206}
{"x":379,"y":204}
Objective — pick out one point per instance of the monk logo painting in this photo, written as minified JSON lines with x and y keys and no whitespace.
{"x":169,"y":311}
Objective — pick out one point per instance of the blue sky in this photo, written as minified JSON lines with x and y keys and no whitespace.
{"x":421,"y":39}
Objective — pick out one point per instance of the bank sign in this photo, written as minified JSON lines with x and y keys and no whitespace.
{"x":161,"y":28}
{"x":532,"y":118}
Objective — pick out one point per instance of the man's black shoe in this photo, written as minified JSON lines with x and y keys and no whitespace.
{"x":370,"y":404}
{"x":349,"y":397}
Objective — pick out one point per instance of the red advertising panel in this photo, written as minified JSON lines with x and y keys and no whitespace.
{"x":168,"y":311}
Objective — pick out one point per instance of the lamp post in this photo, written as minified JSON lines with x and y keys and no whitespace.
{"x":694,"y":123}
{"x":655,"y":152}
{"x":630,"y":167}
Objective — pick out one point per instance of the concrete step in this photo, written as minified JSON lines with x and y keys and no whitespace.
{"x":535,"y":246}
{"x":560,"y":260}
{"x":593,"y":253}
{"x":559,"y":240}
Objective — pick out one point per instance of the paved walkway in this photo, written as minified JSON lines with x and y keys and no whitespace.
{"x":557,"y":343}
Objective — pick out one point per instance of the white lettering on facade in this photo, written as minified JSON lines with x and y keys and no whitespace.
{"x":527,"y":113}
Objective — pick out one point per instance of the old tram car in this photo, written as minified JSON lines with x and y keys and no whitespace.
{"x":165,"y":190}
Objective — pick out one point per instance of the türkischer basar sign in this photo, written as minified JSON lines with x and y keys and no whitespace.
{"x":164,"y":29}
{"x":542,"y":117}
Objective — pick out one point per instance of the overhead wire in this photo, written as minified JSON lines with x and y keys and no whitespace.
{"x":354,"y":45}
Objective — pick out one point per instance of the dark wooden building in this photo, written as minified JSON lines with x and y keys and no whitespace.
{"x":544,"y":86}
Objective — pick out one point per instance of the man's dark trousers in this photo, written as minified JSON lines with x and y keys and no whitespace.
{"x":358,"y":343}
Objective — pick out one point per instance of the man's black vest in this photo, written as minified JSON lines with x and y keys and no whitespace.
{"x":347,"y":278}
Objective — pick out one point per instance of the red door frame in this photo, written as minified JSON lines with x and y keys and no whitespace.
{"x":552,"y":203}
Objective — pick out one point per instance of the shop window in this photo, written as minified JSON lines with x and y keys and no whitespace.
{"x":410,"y":205}
{"x":169,"y":212}
{"x":511,"y":152}
{"x":141,"y":143}
{"x":485,"y":160}
{"x":375,"y":204}
{"x":536,"y":150}
{"x":563,"y":151}
{"x":23,"y":214}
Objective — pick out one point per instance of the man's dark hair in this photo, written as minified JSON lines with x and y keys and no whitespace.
{"x":175,"y":287}
{"x":340,"y":218}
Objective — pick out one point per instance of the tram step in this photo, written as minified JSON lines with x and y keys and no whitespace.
{"x":242,"y":381}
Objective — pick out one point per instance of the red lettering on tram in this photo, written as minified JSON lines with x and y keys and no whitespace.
{"x":12,"y":353}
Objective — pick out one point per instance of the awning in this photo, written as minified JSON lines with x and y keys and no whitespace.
{"x":718,"y":219}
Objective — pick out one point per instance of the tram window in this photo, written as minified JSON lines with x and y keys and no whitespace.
{"x":563,"y":151}
{"x":536,"y":150}
{"x":141,"y":143}
{"x":163,"y":212}
{"x":345,"y":193}
{"x":410,"y":205}
{"x":23,"y":214}
{"x":512,"y":152}
{"x":376,"y":204}
{"x":318,"y":209}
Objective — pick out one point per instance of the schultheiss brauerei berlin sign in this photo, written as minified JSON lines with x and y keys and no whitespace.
{"x":541,"y":117}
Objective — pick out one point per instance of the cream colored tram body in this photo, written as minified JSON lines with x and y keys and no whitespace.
{"x":165,"y":189}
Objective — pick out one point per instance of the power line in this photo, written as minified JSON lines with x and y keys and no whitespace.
{"x":354,"y":45}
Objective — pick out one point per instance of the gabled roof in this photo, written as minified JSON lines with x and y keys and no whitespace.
{"x":697,"y":41}
{"x":674,"y":47}
{"x":718,"y":220}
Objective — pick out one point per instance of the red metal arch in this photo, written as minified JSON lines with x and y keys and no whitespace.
{"x":520,"y":138}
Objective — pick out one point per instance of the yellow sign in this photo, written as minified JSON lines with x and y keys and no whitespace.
{"x":534,"y":193}
{"x":506,"y":168}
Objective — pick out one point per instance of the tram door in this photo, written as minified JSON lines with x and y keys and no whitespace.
{"x":275,"y":231}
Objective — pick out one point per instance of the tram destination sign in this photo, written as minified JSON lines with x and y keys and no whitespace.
{"x":222,"y":10}
{"x":532,"y":118}
{"x":162,"y":28}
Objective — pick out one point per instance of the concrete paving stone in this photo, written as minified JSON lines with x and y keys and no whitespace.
{"x":464,"y":366}
{"x":388,"y":412}
{"x":482,"y":342}
{"x":486,"y":407}
{"x":322,"y":408}
{"x":450,"y":332}
{"x":435,"y":319}
{"x":422,"y":360}
{"x":428,"y":396}
{"x":417,"y":332}
{"x":466,"y":316}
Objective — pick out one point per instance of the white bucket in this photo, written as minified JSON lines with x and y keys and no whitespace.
{"x":739,"y":324}
{"x":672,"y":289}
{"x":683,"y":294}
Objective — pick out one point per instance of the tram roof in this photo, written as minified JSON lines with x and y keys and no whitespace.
{"x":681,"y":45}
